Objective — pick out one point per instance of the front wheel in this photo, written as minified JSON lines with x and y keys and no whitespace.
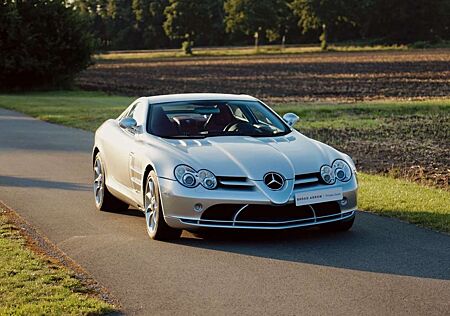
{"x":157,"y":227}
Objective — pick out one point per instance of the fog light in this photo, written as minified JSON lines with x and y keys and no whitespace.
{"x":344,"y":201}
{"x":198,"y":207}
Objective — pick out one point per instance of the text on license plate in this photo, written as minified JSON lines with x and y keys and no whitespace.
{"x":318,"y":196}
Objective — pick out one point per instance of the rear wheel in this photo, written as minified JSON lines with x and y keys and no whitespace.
{"x":157,"y":227}
{"x":104,"y":200}
{"x":340,"y":226}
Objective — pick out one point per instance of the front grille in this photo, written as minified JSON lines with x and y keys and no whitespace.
{"x":306,"y":180}
{"x":221,"y":212}
{"x":326,"y":209}
{"x":257,"y":215}
{"x":237,"y":183}
{"x":269,"y":213}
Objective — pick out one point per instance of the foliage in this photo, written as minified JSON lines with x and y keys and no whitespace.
{"x":125,"y":24}
{"x":142,"y":24}
{"x":268,"y":18}
{"x":395,"y":21}
{"x":404,"y":21}
{"x":186,"y":47}
{"x":328,"y":16}
{"x":197,"y":21}
{"x":42,"y":44}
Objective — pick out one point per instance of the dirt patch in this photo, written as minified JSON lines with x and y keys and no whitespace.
{"x":338,"y":76}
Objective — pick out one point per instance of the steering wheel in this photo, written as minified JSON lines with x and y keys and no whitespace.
{"x":234,"y":126}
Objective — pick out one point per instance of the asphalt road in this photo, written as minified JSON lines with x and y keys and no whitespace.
{"x":381,"y":267}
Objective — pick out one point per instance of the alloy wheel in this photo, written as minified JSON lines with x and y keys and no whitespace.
{"x":98,"y":182}
{"x":151,"y":207}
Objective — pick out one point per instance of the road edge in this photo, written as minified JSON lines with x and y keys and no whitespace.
{"x":42,"y":246}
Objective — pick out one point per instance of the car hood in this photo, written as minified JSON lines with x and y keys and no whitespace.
{"x":253,"y":157}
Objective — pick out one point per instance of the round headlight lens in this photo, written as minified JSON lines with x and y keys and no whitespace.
{"x":207,"y":179}
{"x":327,"y":174}
{"x":190,"y":178}
{"x":186,"y":176}
{"x":342,"y":170}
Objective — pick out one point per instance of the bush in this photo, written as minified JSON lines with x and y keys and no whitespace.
{"x":43,"y":44}
{"x":186,"y":47}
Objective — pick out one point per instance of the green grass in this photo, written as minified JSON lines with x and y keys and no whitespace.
{"x":243,"y":51}
{"x":361,"y":115}
{"x":85,"y":110}
{"x":426,"y":206}
{"x":30,"y":285}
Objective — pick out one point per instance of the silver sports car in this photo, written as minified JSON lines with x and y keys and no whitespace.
{"x":192,"y":161}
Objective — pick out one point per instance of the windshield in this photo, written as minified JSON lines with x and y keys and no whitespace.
{"x":199,"y":119}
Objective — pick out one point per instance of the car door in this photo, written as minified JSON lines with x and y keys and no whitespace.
{"x":121,"y":140}
{"x":135,"y":167}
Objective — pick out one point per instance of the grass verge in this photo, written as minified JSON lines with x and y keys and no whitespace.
{"x":30,"y":284}
{"x":429,"y":207}
{"x":408,"y":201}
{"x":243,"y":51}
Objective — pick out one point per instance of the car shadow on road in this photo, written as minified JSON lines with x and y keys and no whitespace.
{"x":10,"y":181}
{"x":374,"y":244}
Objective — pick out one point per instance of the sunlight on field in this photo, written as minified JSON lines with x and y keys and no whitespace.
{"x":427,"y":207}
{"x":239,"y":51}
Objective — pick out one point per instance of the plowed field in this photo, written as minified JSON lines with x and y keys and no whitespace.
{"x":334,"y":76}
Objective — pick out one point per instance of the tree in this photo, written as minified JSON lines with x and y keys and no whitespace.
{"x":43,"y":44}
{"x":408,"y":21}
{"x":259,"y":18}
{"x":327,"y":16}
{"x":194,"y":21}
{"x":150,"y":18}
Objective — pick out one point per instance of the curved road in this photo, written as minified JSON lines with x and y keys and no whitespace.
{"x":382,"y":266}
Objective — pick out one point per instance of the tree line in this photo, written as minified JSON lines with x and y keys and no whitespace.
{"x":151,"y":24}
{"x":44,"y":43}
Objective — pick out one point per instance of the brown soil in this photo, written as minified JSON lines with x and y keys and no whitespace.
{"x":338,"y":76}
{"x":417,"y":148}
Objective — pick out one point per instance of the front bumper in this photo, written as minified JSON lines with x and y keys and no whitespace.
{"x":179,"y":204}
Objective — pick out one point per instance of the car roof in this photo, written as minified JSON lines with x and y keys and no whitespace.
{"x":198,"y":97}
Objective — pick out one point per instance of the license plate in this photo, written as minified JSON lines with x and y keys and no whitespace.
{"x":318,"y":196}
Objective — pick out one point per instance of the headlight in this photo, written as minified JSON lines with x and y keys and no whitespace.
{"x":190,"y":178}
{"x":342,"y":170}
{"x":339,"y":170}
{"x":326,"y":172}
{"x":207,"y":179}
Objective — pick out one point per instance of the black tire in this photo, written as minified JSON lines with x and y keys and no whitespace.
{"x":157,"y":227}
{"x":104,"y":200}
{"x":340,"y":226}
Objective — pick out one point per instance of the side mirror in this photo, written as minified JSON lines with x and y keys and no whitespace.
{"x":128,"y":123}
{"x":291,"y":119}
